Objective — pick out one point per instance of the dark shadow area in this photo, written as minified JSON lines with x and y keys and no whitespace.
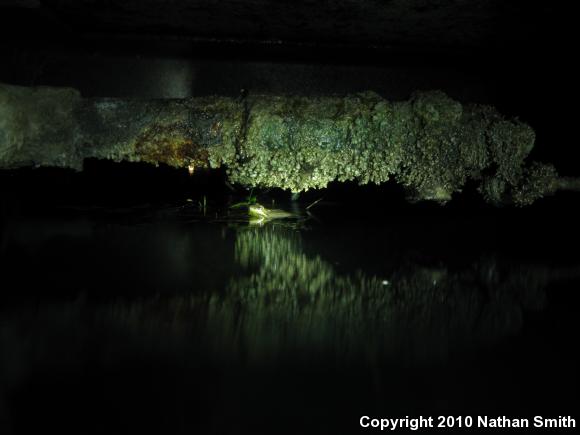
{"x":138,"y":299}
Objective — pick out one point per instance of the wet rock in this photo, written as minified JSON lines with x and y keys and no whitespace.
{"x":430,"y":144}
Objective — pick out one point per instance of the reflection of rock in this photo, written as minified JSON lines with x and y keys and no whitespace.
{"x":287,"y":304}
{"x":291,"y":300}
{"x":284,"y":305}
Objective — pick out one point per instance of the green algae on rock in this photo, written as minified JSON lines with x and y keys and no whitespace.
{"x":430,"y":144}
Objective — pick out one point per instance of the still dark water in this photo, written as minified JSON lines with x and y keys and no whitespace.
{"x":157,"y":319}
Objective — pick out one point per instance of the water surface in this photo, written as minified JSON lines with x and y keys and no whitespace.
{"x":162,"y":319}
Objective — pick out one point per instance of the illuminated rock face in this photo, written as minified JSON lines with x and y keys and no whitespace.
{"x":430,"y":144}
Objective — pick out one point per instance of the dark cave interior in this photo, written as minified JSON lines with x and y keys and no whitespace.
{"x":130,"y":307}
{"x":511,"y":55}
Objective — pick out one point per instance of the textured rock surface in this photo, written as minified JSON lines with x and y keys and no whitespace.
{"x":430,"y":144}
{"x":38,"y":126}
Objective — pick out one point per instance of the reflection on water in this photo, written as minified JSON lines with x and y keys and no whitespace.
{"x":264,"y":301}
{"x":284,"y":303}
{"x":287,"y":300}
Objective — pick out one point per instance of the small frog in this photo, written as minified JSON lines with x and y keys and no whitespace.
{"x":259,"y":211}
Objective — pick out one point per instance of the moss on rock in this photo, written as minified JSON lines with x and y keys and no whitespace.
{"x":431,"y":144}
